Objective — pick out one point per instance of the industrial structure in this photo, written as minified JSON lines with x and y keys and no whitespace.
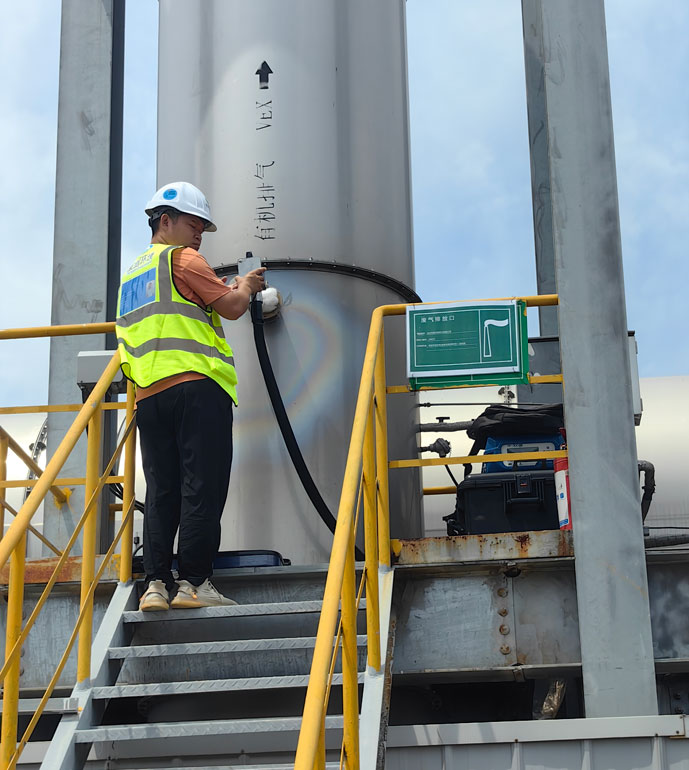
{"x":543,"y":644}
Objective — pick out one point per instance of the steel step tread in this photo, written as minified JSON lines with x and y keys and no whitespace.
{"x":288,"y":766}
{"x":206,"y":648}
{"x":52,"y":706}
{"x":234,"y":610}
{"x":207,"y":685}
{"x":164,"y":730}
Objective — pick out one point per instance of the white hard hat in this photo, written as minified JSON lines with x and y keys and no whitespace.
{"x":184,"y":197}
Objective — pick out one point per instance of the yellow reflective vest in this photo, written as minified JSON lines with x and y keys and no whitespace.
{"x":160,"y":333}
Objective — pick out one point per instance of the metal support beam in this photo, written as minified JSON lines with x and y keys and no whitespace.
{"x":87,"y":211}
{"x":540,"y":162}
{"x":612,"y":587}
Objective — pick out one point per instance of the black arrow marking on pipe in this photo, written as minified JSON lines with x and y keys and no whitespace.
{"x":263,"y":72}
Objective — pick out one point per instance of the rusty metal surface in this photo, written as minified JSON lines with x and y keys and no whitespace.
{"x":39,"y":571}
{"x":473,"y":548}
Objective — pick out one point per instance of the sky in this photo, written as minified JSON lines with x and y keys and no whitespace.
{"x":470,"y":163}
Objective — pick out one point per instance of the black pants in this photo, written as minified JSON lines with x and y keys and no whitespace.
{"x":186,"y":447}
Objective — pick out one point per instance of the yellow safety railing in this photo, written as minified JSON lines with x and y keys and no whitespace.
{"x":13,"y":544}
{"x":366,"y":475}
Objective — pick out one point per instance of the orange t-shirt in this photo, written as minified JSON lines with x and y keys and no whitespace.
{"x":196,"y":281}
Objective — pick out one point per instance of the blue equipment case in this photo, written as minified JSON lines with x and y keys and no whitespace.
{"x":512,"y":444}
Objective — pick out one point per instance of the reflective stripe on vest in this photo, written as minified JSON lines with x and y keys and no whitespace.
{"x":161,"y":333}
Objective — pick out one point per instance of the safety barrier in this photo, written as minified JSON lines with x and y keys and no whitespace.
{"x":13,"y":544}
{"x":365,"y":480}
{"x":366,"y":475}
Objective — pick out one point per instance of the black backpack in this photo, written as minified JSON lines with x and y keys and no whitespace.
{"x":501,"y":420}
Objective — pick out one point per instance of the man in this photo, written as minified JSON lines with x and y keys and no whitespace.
{"x":173,"y":348}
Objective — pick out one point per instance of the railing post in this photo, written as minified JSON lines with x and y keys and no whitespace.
{"x":88,"y":564}
{"x":350,"y":667}
{"x":381,"y":412}
{"x":128,"y":492}
{"x":4,"y":447}
{"x":319,"y":759}
{"x":370,"y":527}
{"x":10,"y":699}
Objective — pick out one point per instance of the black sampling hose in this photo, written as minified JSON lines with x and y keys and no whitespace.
{"x":284,"y":424}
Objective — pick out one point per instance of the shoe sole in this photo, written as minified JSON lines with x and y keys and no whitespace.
{"x":154,"y":606}
{"x":190,"y":604}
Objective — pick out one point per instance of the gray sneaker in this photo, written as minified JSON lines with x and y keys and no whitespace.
{"x":205,"y":595}
{"x":155,"y":597}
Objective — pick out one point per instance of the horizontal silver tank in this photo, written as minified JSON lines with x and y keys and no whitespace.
{"x":292,"y":117}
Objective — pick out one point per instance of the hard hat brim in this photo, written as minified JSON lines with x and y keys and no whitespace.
{"x":209,"y":228}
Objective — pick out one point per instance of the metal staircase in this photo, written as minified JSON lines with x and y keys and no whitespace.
{"x":217,"y":687}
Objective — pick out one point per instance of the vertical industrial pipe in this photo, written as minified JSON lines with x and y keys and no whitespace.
{"x":370,"y":533}
{"x":128,"y":492}
{"x":306,"y":127}
{"x":350,"y":684}
{"x":88,"y":558}
{"x":10,"y":697}
{"x":381,"y":412}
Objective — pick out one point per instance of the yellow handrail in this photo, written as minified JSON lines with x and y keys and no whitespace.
{"x":48,"y":409}
{"x":88,"y":600}
{"x":90,"y":503}
{"x":26,"y":512}
{"x":13,"y":544}
{"x":313,"y":705}
{"x":66,"y":330}
{"x":31,"y":529}
{"x":368,"y":457}
{"x":31,"y":464}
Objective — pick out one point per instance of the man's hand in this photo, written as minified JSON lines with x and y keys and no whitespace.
{"x":234,"y":304}
{"x":254,"y":280}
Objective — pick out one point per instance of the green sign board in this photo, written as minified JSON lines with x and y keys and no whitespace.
{"x":467,"y":344}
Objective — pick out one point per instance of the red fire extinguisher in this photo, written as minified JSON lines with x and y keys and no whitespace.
{"x":564,"y":508}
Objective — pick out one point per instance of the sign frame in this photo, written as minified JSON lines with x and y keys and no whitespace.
{"x":489,"y":314}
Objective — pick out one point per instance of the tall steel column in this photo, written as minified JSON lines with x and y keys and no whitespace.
{"x":540,"y":166}
{"x":612,"y":589}
{"x":87,"y":211}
